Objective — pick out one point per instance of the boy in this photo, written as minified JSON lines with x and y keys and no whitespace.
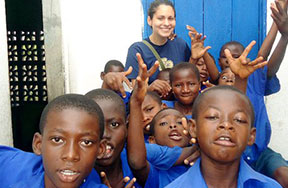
{"x":112,"y":66}
{"x":71,"y":128}
{"x":114,"y":162}
{"x":222,"y":122}
{"x":185,"y":83}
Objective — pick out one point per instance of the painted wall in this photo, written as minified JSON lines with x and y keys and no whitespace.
{"x":277,"y":104}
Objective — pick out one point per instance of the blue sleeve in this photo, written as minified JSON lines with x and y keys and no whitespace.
{"x":131,"y":60}
{"x":162,"y":157}
{"x":153,"y":178}
{"x":272,"y":86}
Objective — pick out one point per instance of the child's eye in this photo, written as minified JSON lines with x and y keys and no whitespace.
{"x":239,"y":120}
{"x":191,"y":84}
{"x":149,"y":109}
{"x":224,"y":77}
{"x":86,"y":142}
{"x":212,"y":117}
{"x":57,"y":140}
{"x":179,"y":122}
{"x":163,"y":123}
{"x":114,"y":124}
{"x":177,"y":85}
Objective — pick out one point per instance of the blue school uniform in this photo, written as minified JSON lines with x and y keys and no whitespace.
{"x":176,"y":50}
{"x":22,"y":168}
{"x":258,"y":85}
{"x":162,"y":157}
{"x":247,"y":178}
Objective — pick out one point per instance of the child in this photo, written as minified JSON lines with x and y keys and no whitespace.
{"x":227,"y":77}
{"x":112,"y":66}
{"x":165,"y":133}
{"x":223,"y":125}
{"x":185,"y":83}
{"x":114,"y":162}
{"x":71,"y":128}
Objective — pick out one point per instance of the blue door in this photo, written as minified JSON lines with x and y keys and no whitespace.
{"x":220,"y":20}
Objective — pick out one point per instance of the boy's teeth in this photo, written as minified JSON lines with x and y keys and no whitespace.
{"x":108,"y":147}
{"x":224,"y":138}
{"x":68,"y":172}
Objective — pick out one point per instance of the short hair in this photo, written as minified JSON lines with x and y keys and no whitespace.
{"x":183,"y":66}
{"x":112,"y":63}
{"x":106,"y":94}
{"x":152,"y":124}
{"x":201,"y":97}
{"x":236,"y":43}
{"x":155,"y":4}
{"x":154,"y":96}
{"x":73,"y":101}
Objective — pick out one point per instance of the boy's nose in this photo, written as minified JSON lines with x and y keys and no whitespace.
{"x":185,"y":89}
{"x":71,"y":152}
{"x":226,"y":125}
{"x":173,"y":126}
{"x":107,"y":134}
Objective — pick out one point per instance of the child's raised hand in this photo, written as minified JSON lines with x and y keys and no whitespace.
{"x":124,"y":181}
{"x":114,"y":81}
{"x":142,"y":78}
{"x":279,"y":15}
{"x":242,"y":66}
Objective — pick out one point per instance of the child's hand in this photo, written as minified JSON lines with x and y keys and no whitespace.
{"x":172,"y":36}
{"x":242,"y":66}
{"x":279,"y":15}
{"x":142,"y":78}
{"x":114,"y":81}
{"x":162,"y":87}
{"x":194,"y":156}
{"x":125,"y":180}
{"x":197,"y":43}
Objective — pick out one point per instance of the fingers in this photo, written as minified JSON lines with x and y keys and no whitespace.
{"x":153,"y":69}
{"x":193,"y":157}
{"x":143,"y":75}
{"x":248,"y":48}
{"x":131,"y":183}
{"x":104,"y":179}
{"x":126,"y":73}
{"x":228,"y":55}
{"x":208,"y":84}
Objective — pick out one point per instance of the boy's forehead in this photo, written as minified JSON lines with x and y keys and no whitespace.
{"x":169,"y":112}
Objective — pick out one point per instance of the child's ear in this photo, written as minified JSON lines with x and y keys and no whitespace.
{"x":151,"y":140}
{"x":37,"y":143}
{"x":192,"y":128}
{"x":102,"y":75}
{"x":252,"y":136}
{"x":101,"y":149}
{"x":163,"y":105}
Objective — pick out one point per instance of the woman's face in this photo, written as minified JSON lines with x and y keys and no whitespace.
{"x":163,"y":21}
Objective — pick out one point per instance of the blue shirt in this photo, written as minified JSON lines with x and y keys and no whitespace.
{"x":247,"y":178}
{"x":175,"y":50}
{"x":20,"y":168}
{"x":258,"y":86}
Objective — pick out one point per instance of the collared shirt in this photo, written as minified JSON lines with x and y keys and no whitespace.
{"x":19,"y":168}
{"x":247,"y":178}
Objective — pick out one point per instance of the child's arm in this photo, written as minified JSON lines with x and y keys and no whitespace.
{"x":242,"y":67}
{"x":198,"y":51}
{"x":135,"y":140}
{"x":280,"y":18}
{"x":115,"y":80}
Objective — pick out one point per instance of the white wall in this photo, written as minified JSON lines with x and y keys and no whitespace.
{"x":277,"y":104}
{"x":5,"y":108}
{"x":96,"y":33}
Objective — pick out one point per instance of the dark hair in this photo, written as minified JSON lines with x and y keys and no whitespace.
{"x":201,"y":98}
{"x":154,"y":96}
{"x":73,"y":101}
{"x":183,"y":66}
{"x":106,"y":94}
{"x":112,"y":63}
{"x":155,"y":4}
{"x":152,"y":124}
{"x":231,"y":43}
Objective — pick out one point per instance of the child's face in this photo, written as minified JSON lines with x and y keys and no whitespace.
{"x":149,"y":109}
{"x":168,"y":129}
{"x":236,"y":51}
{"x":164,"y":75}
{"x":201,"y":66}
{"x":185,"y":86}
{"x":69,"y":146}
{"x":115,"y":132}
{"x":223,"y":126}
{"x":163,"y":21}
{"x":227,"y":77}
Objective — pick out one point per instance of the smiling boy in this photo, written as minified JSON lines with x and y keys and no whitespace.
{"x":71,"y":128}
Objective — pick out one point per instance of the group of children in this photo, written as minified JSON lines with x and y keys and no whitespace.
{"x":171,"y":128}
